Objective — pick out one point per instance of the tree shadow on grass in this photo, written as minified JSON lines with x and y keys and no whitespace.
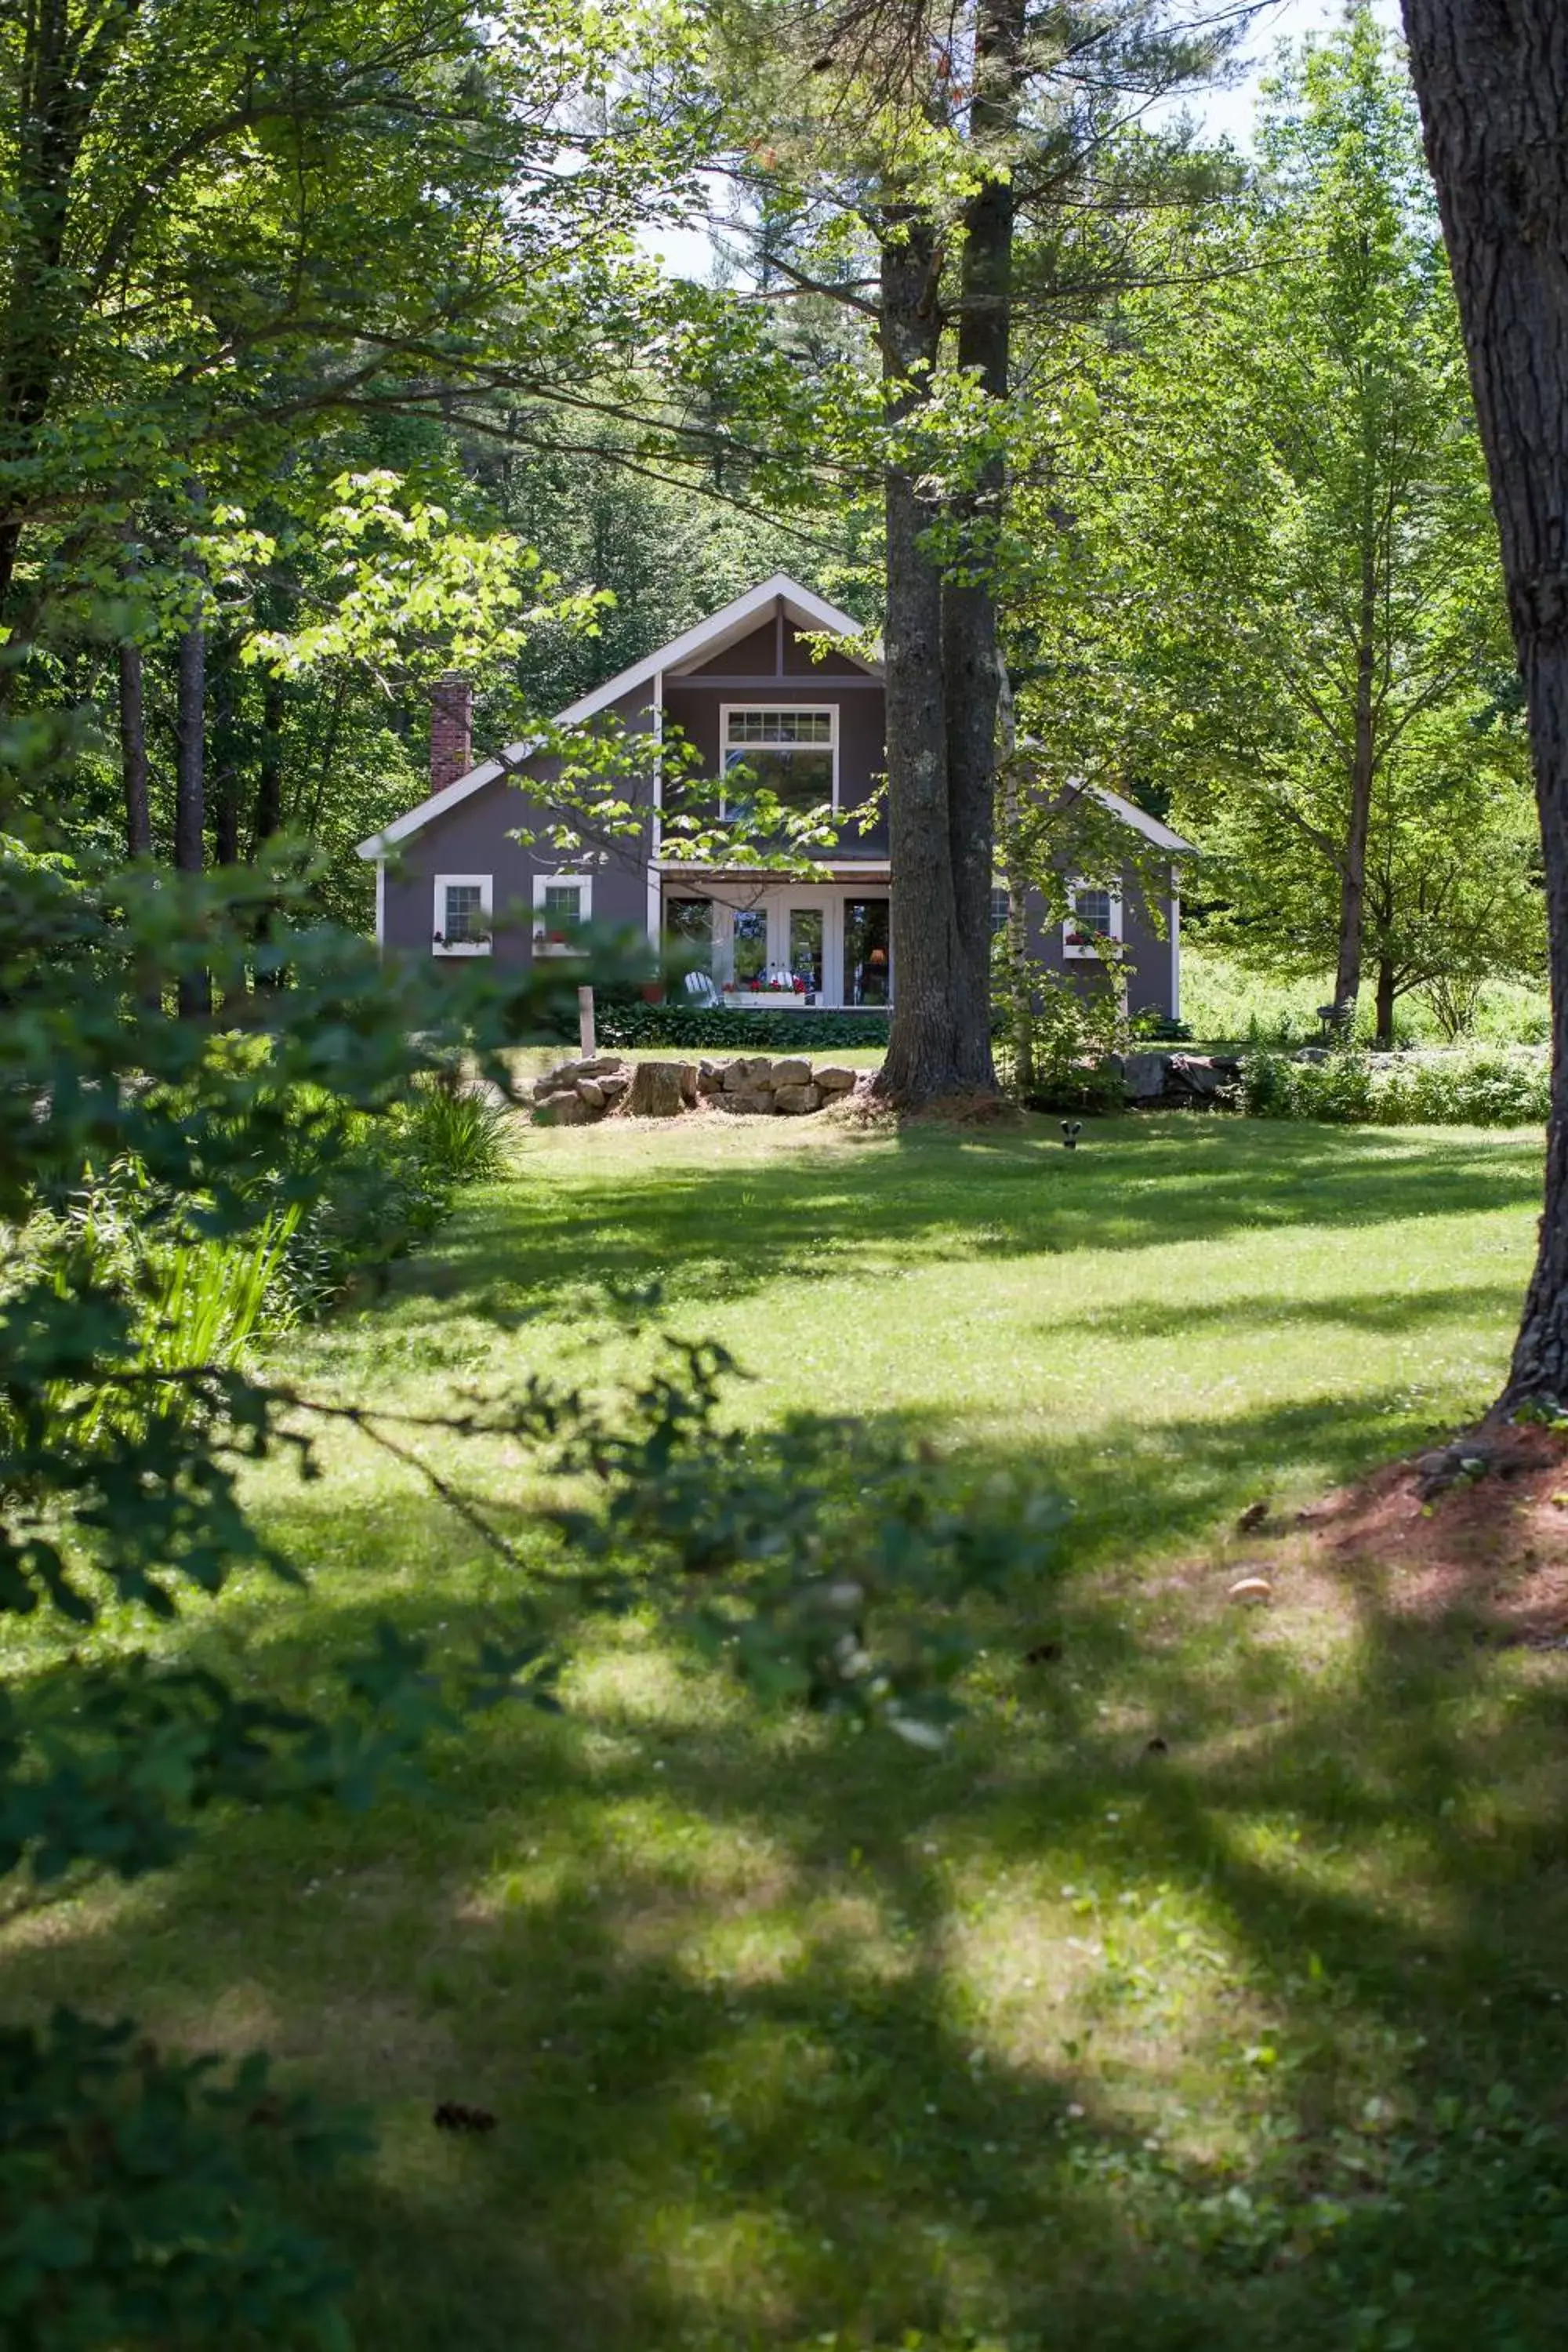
{"x":721,"y":1228}
{"x":1136,"y":1486}
{"x":1048,"y":2043}
{"x":1194,"y":1322}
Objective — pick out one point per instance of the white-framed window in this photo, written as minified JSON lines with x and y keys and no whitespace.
{"x":1001,"y":908}
{"x":562,"y":902}
{"x":1094,"y":917}
{"x":790,"y":751}
{"x":465,"y":904}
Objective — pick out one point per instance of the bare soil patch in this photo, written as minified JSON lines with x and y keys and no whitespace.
{"x":1489,"y":1544}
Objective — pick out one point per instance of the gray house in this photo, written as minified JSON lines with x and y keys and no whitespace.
{"x":745,"y":690}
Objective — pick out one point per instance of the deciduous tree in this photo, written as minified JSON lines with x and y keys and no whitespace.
{"x":1492,"y":82}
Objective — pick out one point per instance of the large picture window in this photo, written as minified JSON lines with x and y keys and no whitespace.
{"x":793,"y":754}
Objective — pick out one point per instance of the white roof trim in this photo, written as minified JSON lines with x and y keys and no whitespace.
{"x":732,"y":620}
{"x":709,"y":637}
{"x":415,"y":819}
{"x":1142,"y":822}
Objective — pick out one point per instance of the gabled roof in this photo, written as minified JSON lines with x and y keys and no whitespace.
{"x":700,"y":643}
{"x":1142,"y":822}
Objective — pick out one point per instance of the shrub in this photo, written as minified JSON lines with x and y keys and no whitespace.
{"x":713,"y":1030}
{"x":1073,"y":1032}
{"x":1481,"y":1089}
{"x":1339,"y":1089}
{"x":1152,"y":1028}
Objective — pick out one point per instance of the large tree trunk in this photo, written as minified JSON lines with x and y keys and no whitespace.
{"x":924,"y":1057}
{"x":1353,"y":873}
{"x":972,"y":651}
{"x":267,"y":818}
{"x":1386,"y":994}
{"x":223,"y":700}
{"x":61,"y":72}
{"x":1494,"y":86}
{"x":190,"y":788}
{"x":133,"y":753}
{"x":1016,"y":943}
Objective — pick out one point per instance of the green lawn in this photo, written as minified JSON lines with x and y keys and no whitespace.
{"x":1052,"y":2043}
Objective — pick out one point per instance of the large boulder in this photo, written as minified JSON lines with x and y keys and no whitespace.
{"x":566,"y":1110}
{"x":834,"y":1079}
{"x":791,"y":1073}
{"x":796,"y":1099}
{"x":753,"y":1102}
{"x":1181,"y":1080}
{"x":590,"y":1091}
{"x":656,"y":1091}
{"x":1200,"y":1078}
{"x":1144,"y":1075}
{"x":747,"y":1072}
{"x":710,"y":1077}
{"x":566,"y":1073}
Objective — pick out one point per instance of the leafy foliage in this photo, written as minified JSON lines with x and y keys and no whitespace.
{"x":127,"y":1411}
{"x":1479,"y":1089}
{"x":1265,"y":581}
{"x":1059,"y":1037}
{"x":719,"y":1031}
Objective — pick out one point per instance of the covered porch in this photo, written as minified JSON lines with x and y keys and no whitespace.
{"x":767,"y":944}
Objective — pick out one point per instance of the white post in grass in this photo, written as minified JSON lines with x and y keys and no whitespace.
{"x":585,"y":1023}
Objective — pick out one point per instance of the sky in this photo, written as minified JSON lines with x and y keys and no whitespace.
{"x":1225,"y":113}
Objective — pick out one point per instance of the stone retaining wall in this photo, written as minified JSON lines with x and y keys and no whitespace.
{"x":755,"y":1086}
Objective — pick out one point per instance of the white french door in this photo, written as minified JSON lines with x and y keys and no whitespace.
{"x":823,"y":936}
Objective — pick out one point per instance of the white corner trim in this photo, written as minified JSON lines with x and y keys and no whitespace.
{"x":542,"y":944}
{"x":380,"y":903}
{"x":1175,"y":953}
{"x":485,"y":884}
{"x":657,"y":820}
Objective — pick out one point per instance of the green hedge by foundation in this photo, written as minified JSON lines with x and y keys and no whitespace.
{"x":713,"y":1030}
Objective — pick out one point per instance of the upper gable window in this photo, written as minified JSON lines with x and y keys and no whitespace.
{"x":791,"y":753}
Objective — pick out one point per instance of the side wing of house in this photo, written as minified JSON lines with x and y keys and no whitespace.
{"x":1143,"y":926}
{"x":453,"y":879}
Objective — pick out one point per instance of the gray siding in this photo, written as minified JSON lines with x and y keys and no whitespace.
{"x":1148,"y":963}
{"x":776,"y":658}
{"x":475,"y":836}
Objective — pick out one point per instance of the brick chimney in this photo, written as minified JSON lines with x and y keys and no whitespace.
{"x":451,"y":729}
